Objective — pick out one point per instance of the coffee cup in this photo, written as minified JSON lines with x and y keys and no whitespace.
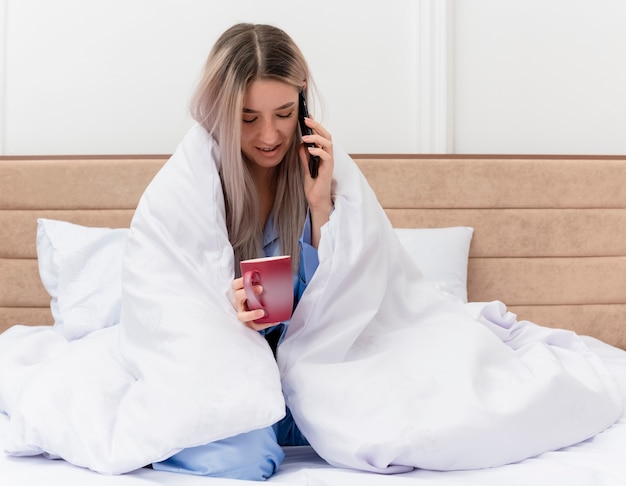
{"x":275,"y":276}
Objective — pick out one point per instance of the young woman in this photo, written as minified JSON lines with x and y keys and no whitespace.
{"x":381,"y":369}
{"x":247,"y":101}
{"x":371,"y":314}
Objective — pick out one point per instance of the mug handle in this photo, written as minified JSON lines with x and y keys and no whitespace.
{"x":249,"y":278}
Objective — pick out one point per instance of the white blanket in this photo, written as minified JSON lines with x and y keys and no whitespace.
{"x":179,"y":371}
{"x":382,"y":371}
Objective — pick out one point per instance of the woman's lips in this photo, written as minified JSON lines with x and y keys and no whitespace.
{"x":269,"y":151}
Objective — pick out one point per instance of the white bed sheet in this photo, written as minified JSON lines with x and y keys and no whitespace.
{"x":598,"y":461}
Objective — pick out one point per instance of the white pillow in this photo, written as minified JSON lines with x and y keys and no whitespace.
{"x":441,"y":254}
{"x":81,"y":268}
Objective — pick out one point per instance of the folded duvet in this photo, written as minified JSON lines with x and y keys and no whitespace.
{"x":381,"y":370}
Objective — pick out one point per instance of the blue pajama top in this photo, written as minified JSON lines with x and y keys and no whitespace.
{"x":306,"y":268}
{"x":287,"y":432}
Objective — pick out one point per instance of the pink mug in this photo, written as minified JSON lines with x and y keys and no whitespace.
{"x":274,"y":275}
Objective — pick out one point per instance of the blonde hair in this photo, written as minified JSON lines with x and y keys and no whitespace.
{"x":242,"y":54}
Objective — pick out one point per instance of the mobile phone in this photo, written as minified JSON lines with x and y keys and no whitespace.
{"x":303,"y":112}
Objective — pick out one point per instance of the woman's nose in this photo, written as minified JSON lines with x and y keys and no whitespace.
{"x":268,"y":131}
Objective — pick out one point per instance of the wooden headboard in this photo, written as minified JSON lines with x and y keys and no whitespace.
{"x":549,"y":239}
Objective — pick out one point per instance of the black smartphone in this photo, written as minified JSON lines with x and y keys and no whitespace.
{"x":314,"y":160}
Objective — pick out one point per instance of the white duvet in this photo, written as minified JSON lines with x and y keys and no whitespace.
{"x":381,"y":370}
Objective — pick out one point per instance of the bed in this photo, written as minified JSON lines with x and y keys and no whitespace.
{"x":541,"y":234}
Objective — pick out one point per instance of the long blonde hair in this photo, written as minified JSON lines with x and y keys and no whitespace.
{"x":242,"y":54}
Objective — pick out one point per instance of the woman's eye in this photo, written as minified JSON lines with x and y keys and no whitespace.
{"x":249,"y":120}
{"x":288,"y":115}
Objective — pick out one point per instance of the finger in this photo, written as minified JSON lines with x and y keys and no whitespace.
{"x":304,"y":154}
{"x":318,"y":128}
{"x":322,"y":151}
{"x":316,"y":141}
{"x":249,"y":316}
{"x":240,"y":298}
{"x":319,"y":141}
{"x":237,"y":284}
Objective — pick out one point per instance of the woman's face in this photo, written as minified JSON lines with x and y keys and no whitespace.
{"x":269,"y":118}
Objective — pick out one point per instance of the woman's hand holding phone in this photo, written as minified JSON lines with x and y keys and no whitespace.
{"x":318,"y":189}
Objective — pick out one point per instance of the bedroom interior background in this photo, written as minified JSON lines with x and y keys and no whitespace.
{"x":406,"y":76}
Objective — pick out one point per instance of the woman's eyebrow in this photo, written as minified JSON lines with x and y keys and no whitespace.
{"x":281,"y":107}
